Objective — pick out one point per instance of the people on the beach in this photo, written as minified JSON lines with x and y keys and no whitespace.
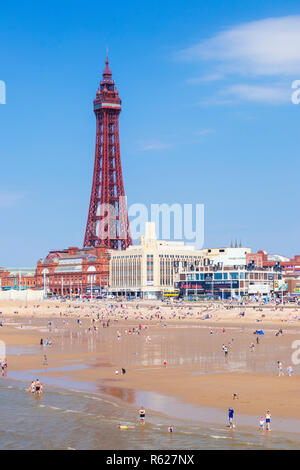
{"x":261,"y":423}
{"x":268,"y":420}
{"x":290,"y":371}
{"x":280,"y":369}
{"x":230,"y":417}
{"x":35,"y":387}
{"x":31,"y":387}
{"x":170,"y":428}
{"x":142,"y":414}
{"x":124,"y":426}
{"x":38,"y":387}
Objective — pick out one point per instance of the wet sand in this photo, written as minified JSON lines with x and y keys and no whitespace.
{"x":197,"y":372}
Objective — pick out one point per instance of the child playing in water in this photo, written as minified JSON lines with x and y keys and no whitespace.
{"x":261,"y":423}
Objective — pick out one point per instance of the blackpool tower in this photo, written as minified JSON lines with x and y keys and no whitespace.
{"x":107,"y":223}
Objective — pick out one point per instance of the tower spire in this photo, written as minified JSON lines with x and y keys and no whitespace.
{"x":107,"y":73}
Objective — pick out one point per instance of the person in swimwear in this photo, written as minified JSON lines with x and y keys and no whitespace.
{"x":268,"y":421}
{"x":123,"y":426}
{"x":170,"y":428}
{"x":142,"y":414}
{"x":31,"y":387}
{"x":38,"y":387}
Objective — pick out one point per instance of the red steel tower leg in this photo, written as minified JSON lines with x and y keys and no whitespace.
{"x":108,"y":222}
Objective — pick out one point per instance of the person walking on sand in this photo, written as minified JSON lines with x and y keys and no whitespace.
{"x":230,"y":417}
{"x":290,"y":371}
{"x":268,"y":421}
{"x":280,"y":369}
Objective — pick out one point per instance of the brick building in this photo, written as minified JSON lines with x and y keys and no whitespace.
{"x":77,"y":271}
{"x":17,"y":278}
{"x":290,"y":267}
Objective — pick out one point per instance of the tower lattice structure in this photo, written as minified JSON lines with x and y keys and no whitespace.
{"x":108,"y":222}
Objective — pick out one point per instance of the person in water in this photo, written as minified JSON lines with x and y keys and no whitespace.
{"x":123,"y":426}
{"x":31,"y":388}
{"x":38,"y":387}
{"x":268,"y":421}
{"x":142,"y":414}
{"x":230,"y":417}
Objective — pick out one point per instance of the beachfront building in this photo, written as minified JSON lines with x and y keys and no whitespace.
{"x":74,"y":271}
{"x":231,"y":256}
{"x":148,"y":269}
{"x":219,"y":281}
{"x":17,"y":278}
{"x":290,"y":268}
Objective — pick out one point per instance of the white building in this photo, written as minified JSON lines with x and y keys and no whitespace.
{"x":148,"y":269}
{"x":232,"y":257}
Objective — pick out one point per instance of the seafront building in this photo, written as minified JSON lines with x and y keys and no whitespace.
{"x":17,"y":278}
{"x":223,"y":282}
{"x":157,"y":268}
{"x":73,"y":271}
{"x":148,"y":269}
{"x":290,"y":268}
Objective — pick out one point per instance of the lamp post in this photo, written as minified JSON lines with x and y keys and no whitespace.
{"x":44,"y":276}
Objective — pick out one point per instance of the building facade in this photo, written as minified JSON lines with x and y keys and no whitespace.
{"x":74,"y":271}
{"x":290,"y":267}
{"x":148,"y":270}
{"x":224,"y":282}
{"x":17,"y":278}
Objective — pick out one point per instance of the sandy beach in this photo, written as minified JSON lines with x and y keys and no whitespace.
{"x":142,"y":336}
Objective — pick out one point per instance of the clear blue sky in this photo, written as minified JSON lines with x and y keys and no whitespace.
{"x":207,"y":116}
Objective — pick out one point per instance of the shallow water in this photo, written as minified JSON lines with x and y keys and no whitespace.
{"x":74,"y":414}
{"x":71,"y":419}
